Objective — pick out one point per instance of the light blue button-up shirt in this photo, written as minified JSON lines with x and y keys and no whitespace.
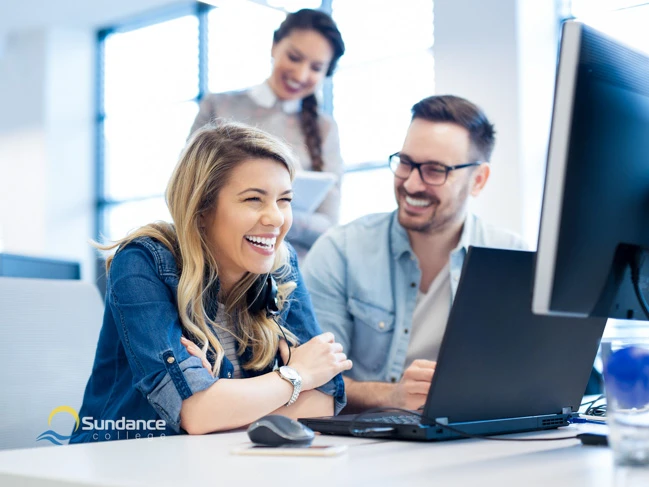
{"x":363,"y":278}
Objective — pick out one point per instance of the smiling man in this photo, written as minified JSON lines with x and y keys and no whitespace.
{"x":384,"y":284}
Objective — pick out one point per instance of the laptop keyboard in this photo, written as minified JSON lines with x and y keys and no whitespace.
{"x":397,"y":419}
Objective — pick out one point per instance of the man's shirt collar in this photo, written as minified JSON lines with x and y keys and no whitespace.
{"x":401,"y":242}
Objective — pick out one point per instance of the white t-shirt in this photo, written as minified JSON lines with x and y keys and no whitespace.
{"x":429,"y":318}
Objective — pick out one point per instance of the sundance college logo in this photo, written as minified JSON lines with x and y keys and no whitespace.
{"x":104,"y":429}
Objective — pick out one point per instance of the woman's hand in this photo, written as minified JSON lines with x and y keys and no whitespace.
{"x":317,"y":361}
{"x":193,"y":349}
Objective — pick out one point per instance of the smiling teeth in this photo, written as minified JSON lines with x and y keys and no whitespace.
{"x":261,"y":241}
{"x":293,"y":84}
{"x":416,"y":202}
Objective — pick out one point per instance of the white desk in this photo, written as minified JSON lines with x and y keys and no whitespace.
{"x":206,"y":460}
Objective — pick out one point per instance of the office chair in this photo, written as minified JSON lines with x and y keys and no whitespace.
{"x":48,"y":336}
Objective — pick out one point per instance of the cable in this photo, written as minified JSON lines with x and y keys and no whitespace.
{"x":592,"y":409}
{"x":596,"y":410}
{"x":388,"y":429}
{"x":636,"y":266}
{"x":588,"y":403}
{"x":591,"y":403}
{"x":274,"y":318}
{"x":581,"y":420}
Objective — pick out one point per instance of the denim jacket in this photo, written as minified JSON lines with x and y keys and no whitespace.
{"x":142,"y":372}
{"x":363,"y":278}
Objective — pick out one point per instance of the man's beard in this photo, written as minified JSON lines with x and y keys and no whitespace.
{"x":438,"y":220}
{"x":433,"y":223}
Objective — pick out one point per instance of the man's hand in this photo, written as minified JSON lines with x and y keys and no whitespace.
{"x":412,"y":389}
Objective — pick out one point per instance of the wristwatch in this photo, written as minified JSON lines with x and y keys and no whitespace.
{"x":290,"y":374}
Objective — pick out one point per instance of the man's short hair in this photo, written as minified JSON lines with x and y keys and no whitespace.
{"x":457,"y":110}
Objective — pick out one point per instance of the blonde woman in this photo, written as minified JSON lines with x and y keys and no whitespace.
{"x":213,"y":279}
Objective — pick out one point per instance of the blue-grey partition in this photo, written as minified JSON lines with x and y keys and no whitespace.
{"x":12,"y":265}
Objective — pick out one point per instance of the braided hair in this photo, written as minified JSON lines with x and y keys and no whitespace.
{"x":308,"y":19}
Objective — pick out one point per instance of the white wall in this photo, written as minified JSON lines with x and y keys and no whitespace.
{"x":46,"y":140}
{"x":22,"y":191}
{"x":501,"y":54}
{"x":22,"y":143}
{"x":538,"y":33}
{"x":69,"y":121}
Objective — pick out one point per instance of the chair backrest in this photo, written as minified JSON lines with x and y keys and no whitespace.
{"x":12,"y":265}
{"x":48,"y":336}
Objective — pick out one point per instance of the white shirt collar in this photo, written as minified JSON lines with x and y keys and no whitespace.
{"x":264,"y":96}
{"x":467,"y":235}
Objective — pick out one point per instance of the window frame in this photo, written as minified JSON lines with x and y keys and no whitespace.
{"x":200,"y":10}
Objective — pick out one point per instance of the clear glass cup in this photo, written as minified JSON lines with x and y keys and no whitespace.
{"x":626,"y":379}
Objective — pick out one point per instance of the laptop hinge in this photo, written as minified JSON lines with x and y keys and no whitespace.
{"x":567,"y":410}
{"x":441,"y":420}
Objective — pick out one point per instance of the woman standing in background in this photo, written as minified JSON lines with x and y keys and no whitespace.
{"x":306,"y":48}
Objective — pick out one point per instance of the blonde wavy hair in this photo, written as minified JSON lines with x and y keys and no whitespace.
{"x":203,"y":170}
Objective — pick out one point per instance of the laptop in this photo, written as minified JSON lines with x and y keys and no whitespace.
{"x":501,"y":368}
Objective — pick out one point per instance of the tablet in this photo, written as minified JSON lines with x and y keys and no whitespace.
{"x":310,"y":189}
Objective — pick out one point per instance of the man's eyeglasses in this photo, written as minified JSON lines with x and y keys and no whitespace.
{"x":432,"y":173}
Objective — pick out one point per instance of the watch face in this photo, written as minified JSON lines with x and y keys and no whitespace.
{"x":289,"y":373}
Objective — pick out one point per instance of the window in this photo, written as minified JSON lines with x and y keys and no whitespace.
{"x":387,"y":68}
{"x":150,"y":87}
{"x":248,"y":63}
{"x":625,"y":20}
{"x":150,"y":83}
{"x":151,"y":76}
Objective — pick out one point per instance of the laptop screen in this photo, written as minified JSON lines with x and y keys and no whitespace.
{"x":497,"y":358}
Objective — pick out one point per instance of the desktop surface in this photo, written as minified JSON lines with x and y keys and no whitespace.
{"x":186,"y":460}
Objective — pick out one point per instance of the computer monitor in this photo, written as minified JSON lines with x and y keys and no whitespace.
{"x":595,"y":216}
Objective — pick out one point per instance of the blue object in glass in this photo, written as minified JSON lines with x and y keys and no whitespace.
{"x":627,"y":377}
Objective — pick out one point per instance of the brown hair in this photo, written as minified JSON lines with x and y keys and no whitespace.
{"x":457,"y":110}
{"x":308,"y":19}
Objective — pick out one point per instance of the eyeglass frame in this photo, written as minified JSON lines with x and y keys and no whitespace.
{"x":417,"y":165}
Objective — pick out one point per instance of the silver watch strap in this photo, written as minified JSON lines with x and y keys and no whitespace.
{"x":297,"y":387}
{"x":296,"y":392}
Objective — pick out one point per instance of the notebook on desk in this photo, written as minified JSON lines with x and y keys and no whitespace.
{"x":501,"y":369}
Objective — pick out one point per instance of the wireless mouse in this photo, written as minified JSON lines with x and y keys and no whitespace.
{"x":276,"y":430}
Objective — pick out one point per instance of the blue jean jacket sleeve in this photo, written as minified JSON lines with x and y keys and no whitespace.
{"x":301,"y":320}
{"x":144,"y":309}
